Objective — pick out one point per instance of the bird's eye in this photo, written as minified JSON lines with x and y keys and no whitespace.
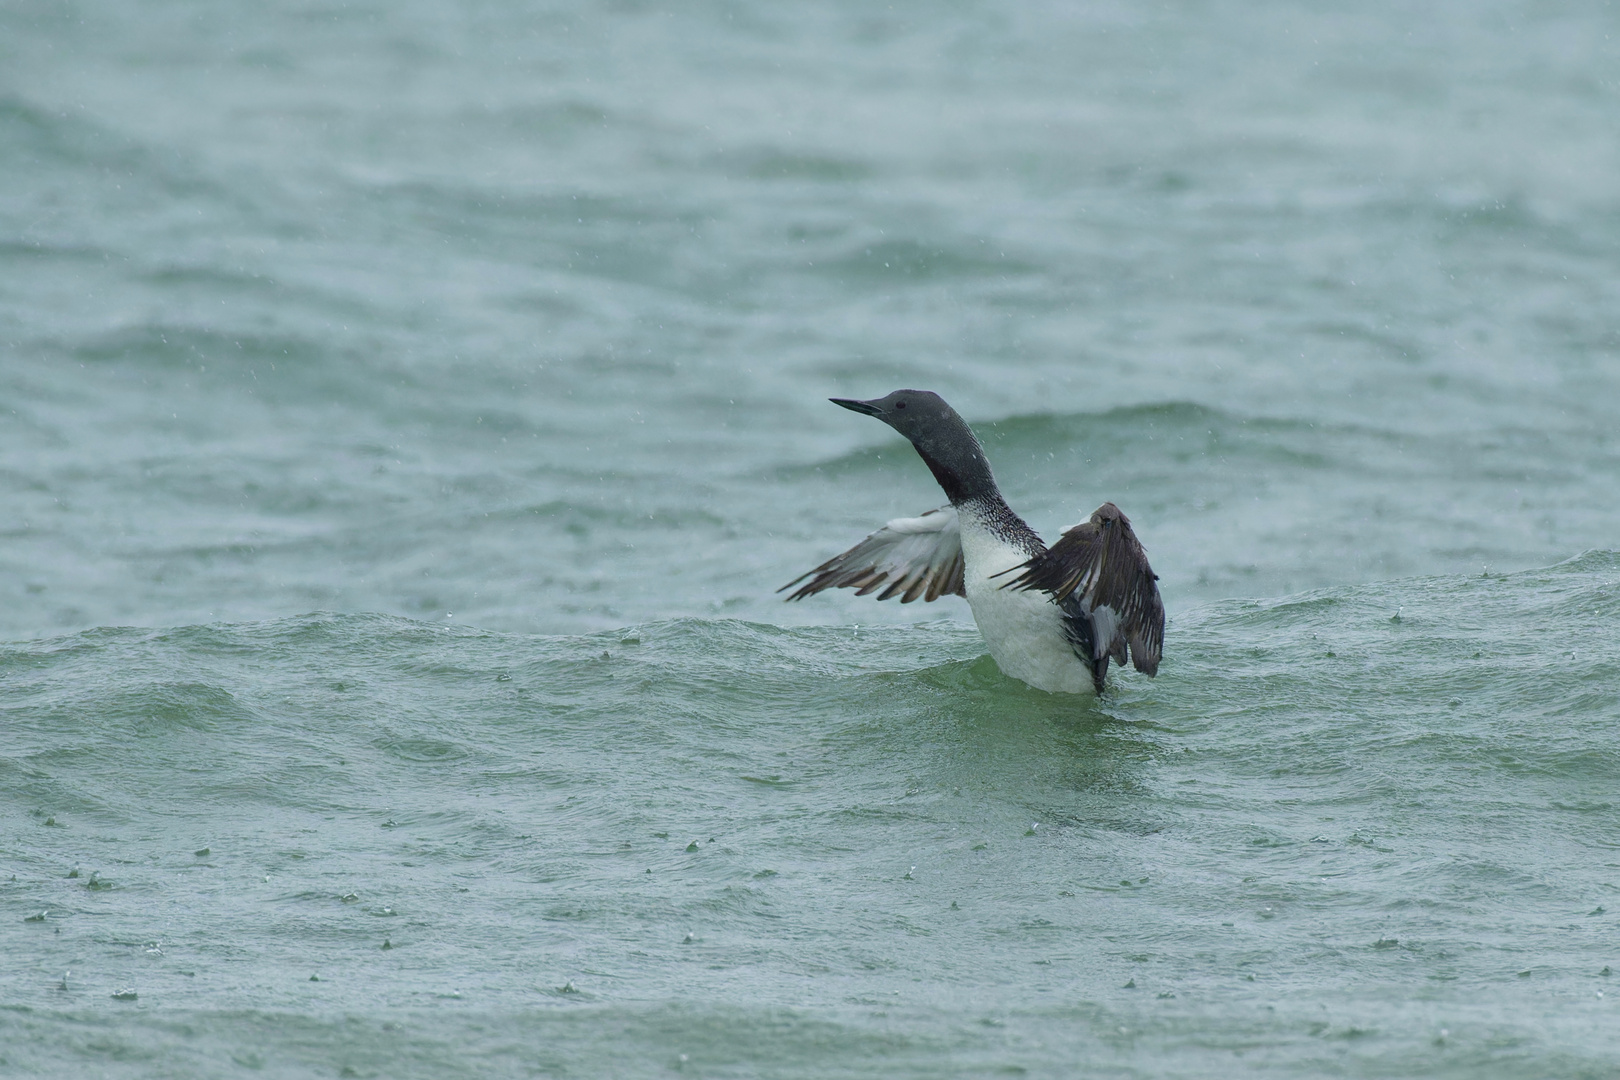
{"x":899,"y":404}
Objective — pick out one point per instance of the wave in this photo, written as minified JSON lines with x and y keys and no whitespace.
{"x":1173,"y":431}
{"x":82,"y":151}
{"x":1498,"y":633}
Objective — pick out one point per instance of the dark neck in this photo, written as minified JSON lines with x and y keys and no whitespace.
{"x":961,"y":470}
{"x":972,"y":490}
{"x":958,"y":488}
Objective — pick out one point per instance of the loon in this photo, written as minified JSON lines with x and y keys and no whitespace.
{"x":1053,"y":617}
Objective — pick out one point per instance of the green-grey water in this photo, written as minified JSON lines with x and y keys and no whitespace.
{"x":407,"y":413}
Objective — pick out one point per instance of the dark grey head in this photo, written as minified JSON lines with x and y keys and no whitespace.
{"x":941,"y":437}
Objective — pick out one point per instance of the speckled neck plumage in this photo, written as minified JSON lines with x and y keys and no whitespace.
{"x":992,"y":513}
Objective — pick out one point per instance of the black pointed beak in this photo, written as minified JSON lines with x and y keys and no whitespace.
{"x":857,"y":406}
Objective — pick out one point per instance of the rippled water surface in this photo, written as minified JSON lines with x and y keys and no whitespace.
{"x":408,"y":411}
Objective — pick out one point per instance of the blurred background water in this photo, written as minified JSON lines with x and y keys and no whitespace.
{"x":407,"y":412}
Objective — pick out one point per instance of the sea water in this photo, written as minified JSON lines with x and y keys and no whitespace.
{"x":407,"y":412}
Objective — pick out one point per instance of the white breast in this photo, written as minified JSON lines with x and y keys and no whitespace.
{"x":1024,"y":630}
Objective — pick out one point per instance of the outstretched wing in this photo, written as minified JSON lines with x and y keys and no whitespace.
{"x":1101,"y":564}
{"x":912,"y":557}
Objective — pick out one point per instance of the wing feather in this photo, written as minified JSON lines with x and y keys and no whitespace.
{"x":908,"y":557}
{"x":1102,"y":564}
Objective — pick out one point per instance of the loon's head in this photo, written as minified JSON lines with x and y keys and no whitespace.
{"x":941,"y":437}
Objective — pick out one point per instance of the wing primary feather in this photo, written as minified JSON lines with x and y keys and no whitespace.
{"x":908,"y":557}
